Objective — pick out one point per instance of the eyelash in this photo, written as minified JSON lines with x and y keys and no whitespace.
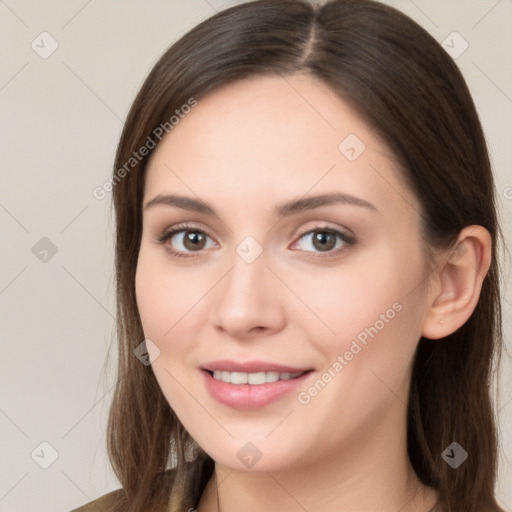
{"x":166,"y":235}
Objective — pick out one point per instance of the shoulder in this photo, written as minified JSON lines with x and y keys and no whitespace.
{"x":107,"y":502}
{"x":104,"y":503}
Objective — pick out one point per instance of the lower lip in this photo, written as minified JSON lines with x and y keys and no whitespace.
{"x":247,"y":396}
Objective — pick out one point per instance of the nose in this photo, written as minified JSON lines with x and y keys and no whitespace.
{"x":249,"y":300}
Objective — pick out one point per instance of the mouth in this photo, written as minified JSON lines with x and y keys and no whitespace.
{"x":253,"y":379}
{"x":251,"y":385}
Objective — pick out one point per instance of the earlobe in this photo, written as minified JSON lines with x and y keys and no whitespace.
{"x":460,"y":274}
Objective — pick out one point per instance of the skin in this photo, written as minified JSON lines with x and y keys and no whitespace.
{"x":345,"y":450}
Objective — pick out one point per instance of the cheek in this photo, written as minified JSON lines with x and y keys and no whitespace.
{"x":373,"y":312}
{"x":351,"y":299}
{"x":153,"y":304}
{"x":165,"y":300}
{"x":166,"y":297}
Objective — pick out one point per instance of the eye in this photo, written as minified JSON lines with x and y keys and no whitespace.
{"x":325,"y":240}
{"x":184,"y":240}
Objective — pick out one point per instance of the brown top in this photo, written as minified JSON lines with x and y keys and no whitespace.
{"x":103,"y":504}
{"x":106,"y":502}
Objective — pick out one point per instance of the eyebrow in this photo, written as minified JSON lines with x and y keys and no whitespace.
{"x":282,"y":210}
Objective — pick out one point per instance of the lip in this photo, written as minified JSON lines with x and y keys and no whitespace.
{"x":250,"y":367}
{"x":248,"y":397}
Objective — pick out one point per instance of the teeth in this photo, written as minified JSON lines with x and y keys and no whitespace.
{"x":254,"y":379}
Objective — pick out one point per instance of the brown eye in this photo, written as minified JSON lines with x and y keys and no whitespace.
{"x":324,"y":241}
{"x":194,"y":240}
{"x":183,"y":241}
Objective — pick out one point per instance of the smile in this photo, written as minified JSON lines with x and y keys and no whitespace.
{"x":254,"y":379}
{"x":253,"y":390}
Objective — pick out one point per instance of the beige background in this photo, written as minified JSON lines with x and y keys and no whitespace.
{"x":61,"y":118}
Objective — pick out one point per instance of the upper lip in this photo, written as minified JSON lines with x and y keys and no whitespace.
{"x":251,"y":367}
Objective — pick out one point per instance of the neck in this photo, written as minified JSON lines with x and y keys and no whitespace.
{"x":371,"y":472}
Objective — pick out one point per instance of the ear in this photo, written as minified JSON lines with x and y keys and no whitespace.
{"x":456,"y":283}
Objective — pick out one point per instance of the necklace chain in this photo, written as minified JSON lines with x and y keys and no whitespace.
{"x":217,"y":487}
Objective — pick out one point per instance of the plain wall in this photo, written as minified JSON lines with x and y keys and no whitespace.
{"x":61,"y":118}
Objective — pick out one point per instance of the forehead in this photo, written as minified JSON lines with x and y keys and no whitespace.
{"x":270,"y":136}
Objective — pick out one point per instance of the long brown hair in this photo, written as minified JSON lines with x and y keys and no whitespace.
{"x":401,"y":81}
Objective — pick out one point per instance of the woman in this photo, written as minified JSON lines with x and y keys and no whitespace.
{"x":307,"y":276}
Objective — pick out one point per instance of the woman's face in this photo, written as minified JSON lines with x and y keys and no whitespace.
{"x":309,"y":265}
